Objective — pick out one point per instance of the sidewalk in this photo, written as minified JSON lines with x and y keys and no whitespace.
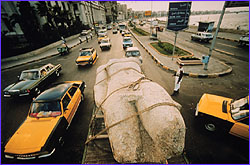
{"x":215,"y":68}
{"x":36,"y":55}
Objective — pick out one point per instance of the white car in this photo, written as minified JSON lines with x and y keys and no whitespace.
{"x":202,"y":36}
{"x":105,"y":44}
{"x":102,"y":32}
{"x":133,"y":52}
{"x":244,"y":40}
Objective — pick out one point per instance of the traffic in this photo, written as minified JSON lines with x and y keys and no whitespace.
{"x":106,"y":45}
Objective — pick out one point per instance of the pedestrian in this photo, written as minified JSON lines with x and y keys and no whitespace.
{"x":91,"y":36}
{"x":178,"y":79}
{"x":86,"y":39}
{"x":63,"y":40}
{"x":80,"y":39}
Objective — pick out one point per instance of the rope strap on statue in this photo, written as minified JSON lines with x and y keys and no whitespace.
{"x":137,"y":114}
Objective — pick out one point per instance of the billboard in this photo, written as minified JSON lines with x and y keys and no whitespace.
{"x":178,"y":16}
{"x":148,"y":13}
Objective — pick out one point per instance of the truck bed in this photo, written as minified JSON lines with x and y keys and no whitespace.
{"x":98,"y":151}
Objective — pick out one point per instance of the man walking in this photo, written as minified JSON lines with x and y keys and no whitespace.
{"x":178,"y":79}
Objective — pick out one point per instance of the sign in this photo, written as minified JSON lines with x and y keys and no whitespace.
{"x":237,"y":4}
{"x":148,"y":13}
{"x":178,"y":16}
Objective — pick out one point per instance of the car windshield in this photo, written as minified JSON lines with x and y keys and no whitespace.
{"x":85,"y":53}
{"x":127,"y":40}
{"x":101,"y":35}
{"x":45,"y":109}
{"x":29,"y":75}
{"x":104,"y":41}
{"x":240,"y":108}
{"x":209,"y":35}
{"x":132,"y":53}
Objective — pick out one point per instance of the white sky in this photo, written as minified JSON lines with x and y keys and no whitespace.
{"x":163,"y":5}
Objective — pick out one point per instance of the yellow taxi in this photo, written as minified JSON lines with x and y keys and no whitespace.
{"x":100,"y":37}
{"x":87,"y":56}
{"x":127,"y":34}
{"x":221,"y":113}
{"x":48,"y":119}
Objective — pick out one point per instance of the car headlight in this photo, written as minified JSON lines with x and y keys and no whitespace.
{"x":91,"y":59}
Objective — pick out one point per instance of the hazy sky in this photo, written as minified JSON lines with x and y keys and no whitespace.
{"x":163,"y":5}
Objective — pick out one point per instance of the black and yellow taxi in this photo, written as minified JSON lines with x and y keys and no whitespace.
{"x":87,"y":56}
{"x":49,"y":117}
{"x":225,"y":114}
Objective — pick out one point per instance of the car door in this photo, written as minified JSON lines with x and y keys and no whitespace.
{"x":75,"y":99}
{"x":66,"y":109}
{"x":241,"y":129}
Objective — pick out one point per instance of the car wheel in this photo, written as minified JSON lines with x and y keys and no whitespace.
{"x":210,"y":127}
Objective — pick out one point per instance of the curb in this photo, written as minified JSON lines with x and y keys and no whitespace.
{"x":49,"y":56}
{"x":194,"y":75}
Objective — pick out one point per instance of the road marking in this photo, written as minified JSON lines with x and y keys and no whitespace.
{"x":228,"y":45}
{"x":222,"y":51}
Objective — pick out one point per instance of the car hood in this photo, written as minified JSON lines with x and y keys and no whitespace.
{"x":83,"y":58}
{"x":31,"y":135}
{"x":21,"y":85}
{"x":212,"y":105}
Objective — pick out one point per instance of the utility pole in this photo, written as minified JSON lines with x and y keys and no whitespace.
{"x":216,"y":32}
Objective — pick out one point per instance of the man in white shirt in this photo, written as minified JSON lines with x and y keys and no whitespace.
{"x":178,"y":79}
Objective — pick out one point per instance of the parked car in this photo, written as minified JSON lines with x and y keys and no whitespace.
{"x":127,"y":42}
{"x":244,"y":40}
{"x":114,"y":31}
{"x":48,"y":119}
{"x":202,"y":36}
{"x":87,"y":56}
{"x":105,"y":44}
{"x":33,"y":81}
{"x":100,"y":37}
{"x":133,"y":52}
{"x":225,"y":114}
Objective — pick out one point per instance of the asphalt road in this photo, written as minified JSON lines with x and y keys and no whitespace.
{"x":200,"y":147}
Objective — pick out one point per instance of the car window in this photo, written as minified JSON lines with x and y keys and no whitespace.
{"x":85,"y":53}
{"x":45,"y":109}
{"x":65,"y":102}
{"x":104,"y":41}
{"x":127,"y":40}
{"x":29,"y":75}
{"x":132,"y":53}
{"x":43,"y":72}
{"x":72,"y":91}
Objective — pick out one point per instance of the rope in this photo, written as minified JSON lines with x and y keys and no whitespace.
{"x":131,"y":85}
{"x":137,"y":114}
{"x":118,"y":72}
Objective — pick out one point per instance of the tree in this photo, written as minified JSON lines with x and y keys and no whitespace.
{"x":28,"y":23}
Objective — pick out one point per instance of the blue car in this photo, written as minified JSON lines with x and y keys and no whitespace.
{"x":127,"y":42}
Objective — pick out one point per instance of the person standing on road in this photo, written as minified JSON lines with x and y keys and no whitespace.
{"x":178,"y":79}
{"x":86,"y":39}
